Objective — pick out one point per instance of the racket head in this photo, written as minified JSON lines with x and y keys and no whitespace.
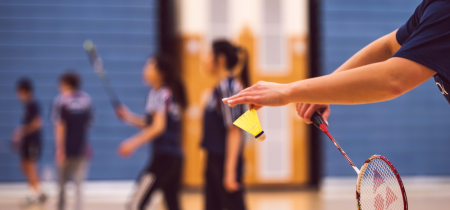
{"x":379,"y":186}
{"x":94,"y":57}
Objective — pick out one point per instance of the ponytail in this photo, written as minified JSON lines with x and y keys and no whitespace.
{"x":233,"y":59}
{"x":244,"y":74}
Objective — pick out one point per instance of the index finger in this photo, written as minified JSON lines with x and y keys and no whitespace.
{"x":243,"y":100}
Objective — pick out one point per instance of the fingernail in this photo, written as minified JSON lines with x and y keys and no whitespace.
{"x":224,"y":99}
{"x":230,"y":101}
{"x":326,"y":122}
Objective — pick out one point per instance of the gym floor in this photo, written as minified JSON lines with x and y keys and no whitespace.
{"x":336,"y":194}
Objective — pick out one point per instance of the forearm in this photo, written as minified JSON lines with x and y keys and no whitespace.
{"x":60,"y":136}
{"x":377,"y":51}
{"x":233,"y":144}
{"x":146,"y":135}
{"x":367,"y":84}
{"x":35,"y":125}
{"x":135,"y":120}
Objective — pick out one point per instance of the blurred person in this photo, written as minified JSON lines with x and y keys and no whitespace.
{"x":222,"y":140}
{"x":383,"y":70}
{"x":72,"y":116}
{"x":27,"y":140}
{"x":161,"y":125}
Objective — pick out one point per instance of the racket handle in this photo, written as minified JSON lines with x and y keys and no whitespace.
{"x":116,"y":103}
{"x":317,"y":119}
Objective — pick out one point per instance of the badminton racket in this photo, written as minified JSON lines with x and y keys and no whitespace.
{"x":97,"y":63}
{"x":379,"y":186}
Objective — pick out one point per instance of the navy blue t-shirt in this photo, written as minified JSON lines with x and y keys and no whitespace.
{"x":75,"y":111}
{"x":218,"y":117}
{"x":162,"y":101}
{"x":31,"y":112}
{"x":425,"y":39}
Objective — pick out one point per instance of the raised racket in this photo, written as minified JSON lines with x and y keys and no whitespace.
{"x":97,"y":63}
{"x":379,"y":186}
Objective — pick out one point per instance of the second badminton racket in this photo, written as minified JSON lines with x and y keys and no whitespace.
{"x":97,"y":63}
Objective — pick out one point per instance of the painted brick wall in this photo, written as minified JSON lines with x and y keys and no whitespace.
{"x":40,"y":39}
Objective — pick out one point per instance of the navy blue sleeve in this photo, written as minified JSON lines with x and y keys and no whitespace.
{"x":31,"y":112}
{"x":428,"y":42}
{"x":405,"y":31}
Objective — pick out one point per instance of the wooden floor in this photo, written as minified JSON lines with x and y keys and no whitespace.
{"x":336,"y":194}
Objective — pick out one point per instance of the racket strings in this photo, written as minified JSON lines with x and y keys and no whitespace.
{"x":379,"y":187}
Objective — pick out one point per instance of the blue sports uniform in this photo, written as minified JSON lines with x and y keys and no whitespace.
{"x":425,"y":39}
{"x":164,"y":172}
{"x":162,"y":101}
{"x":31,"y":145}
{"x":76,"y":112}
{"x":217,"y":120}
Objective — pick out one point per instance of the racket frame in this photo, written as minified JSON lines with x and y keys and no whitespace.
{"x":321,"y":124}
{"x":397,"y":175}
{"x":97,"y":64}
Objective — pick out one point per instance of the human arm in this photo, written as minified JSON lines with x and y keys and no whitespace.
{"x":233,"y":144}
{"x":147,"y":134}
{"x":33,"y":126}
{"x":366,"y":84}
{"x":379,"y":50}
{"x":31,"y":122}
{"x":60,"y":130}
{"x":123,"y":113}
{"x":27,"y":129}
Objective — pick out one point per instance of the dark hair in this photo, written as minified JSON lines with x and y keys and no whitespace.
{"x":231,"y":52}
{"x":171,"y":78}
{"x":24,"y":84}
{"x":71,"y":78}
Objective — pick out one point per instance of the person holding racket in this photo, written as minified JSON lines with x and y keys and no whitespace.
{"x":383,"y":70}
{"x":222,"y":140}
{"x":27,"y":140}
{"x":162,"y":126}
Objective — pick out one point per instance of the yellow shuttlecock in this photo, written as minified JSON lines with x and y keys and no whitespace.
{"x":250,"y":123}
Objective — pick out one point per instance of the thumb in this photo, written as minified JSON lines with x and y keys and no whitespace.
{"x":254,"y":106}
{"x":326,"y":114}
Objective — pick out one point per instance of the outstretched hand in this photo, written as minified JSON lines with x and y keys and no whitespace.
{"x":127,"y":148}
{"x":260,"y":94}
{"x":122,"y":112}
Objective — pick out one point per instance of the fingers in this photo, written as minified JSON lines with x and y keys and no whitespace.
{"x":298,"y":107}
{"x":309,"y":113}
{"x":254,"y":106}
{"x":236,"y":100}
{"x":303,"y":109}
{"x":240,"y":98}
{"x":123,"y":152}
{"x":326,"y":113}
{"x":231,"y":186}
{"x":306,"y":111}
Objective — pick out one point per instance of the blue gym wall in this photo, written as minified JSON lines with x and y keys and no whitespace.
{"x":40,"y":39}
{"x":412,"y":131}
